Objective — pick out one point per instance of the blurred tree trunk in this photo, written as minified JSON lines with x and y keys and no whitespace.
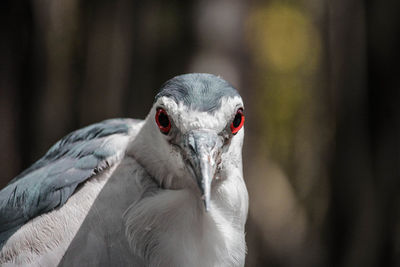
{"x":16,"y":86}
{"x":384,"y":114}
{"x":364,"y":206}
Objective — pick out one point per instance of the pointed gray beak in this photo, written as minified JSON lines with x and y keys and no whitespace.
{"x":203,"y":149}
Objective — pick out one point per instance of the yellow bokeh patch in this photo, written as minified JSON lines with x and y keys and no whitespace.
{"x":283,"y":37}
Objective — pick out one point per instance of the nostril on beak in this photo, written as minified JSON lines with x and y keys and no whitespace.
{"x":191,"y":143}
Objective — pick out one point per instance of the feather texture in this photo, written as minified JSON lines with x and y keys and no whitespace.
{"x":49,"y":182}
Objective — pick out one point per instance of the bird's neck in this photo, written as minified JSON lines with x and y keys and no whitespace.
{"x":148,"y":149}
{"x":171,"y":228}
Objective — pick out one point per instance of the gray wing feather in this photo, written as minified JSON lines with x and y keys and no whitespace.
{"x":49,"y":182}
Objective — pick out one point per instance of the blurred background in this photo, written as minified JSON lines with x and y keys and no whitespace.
{"x":320,"y":80}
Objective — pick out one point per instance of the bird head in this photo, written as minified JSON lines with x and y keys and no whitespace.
{"x":196,"y":131}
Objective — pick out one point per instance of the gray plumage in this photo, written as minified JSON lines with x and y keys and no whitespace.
{"x":49,"y":182}
{"x":127,"y":192}
{"x":202,"y":92}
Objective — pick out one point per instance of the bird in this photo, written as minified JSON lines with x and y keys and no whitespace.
{"x":164,"y":191}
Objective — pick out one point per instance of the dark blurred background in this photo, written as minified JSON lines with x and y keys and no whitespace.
{"x":320,"y":80}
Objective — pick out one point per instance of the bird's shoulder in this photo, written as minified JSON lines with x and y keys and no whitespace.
{"x":49,"y":182}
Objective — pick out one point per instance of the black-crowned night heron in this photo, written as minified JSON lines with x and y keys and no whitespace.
{"x":166,"y":191}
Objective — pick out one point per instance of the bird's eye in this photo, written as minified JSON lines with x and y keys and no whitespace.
{"x":238,"y":121}
{"x":163,"y":121}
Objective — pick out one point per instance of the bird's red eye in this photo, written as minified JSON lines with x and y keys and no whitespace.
{"x":163,"y":121}
{"x":238,"y":121}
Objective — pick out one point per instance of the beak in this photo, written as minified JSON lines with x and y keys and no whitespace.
{"x":203,"y":149}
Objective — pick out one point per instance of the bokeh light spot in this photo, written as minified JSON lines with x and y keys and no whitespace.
{"x":283,"y":37}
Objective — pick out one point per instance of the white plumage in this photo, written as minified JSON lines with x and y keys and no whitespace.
{"x":144,"y":203}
